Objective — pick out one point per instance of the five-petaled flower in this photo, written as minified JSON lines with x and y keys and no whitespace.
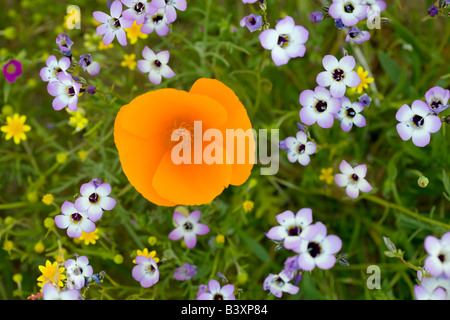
{"x":417,"y":123}
{"x":88,"y":65}
{"x":286,"y":41}
{"x":215,"y":292}
{"x":253,"y":22}
{"x":112,"y":26}
{"x":156,"y":65}
{"x":73,"y":220}
{"x":299,"y":148}
{"x":77,"y":271}
{"x":94,"y":199}
{"x":146,"y":271}
{"x":54,"y":67}
{"x":318,"y":106}
{"x":50,"y":292}
{"x":279,"y":283}
{"x":137,"y":10}
{"x":349,"y":11}
{"x":350,"y":114}
{"x":65,"y":91}
{"x":437,"y":262}
{"x":437,"y":99}
{"x":188,"y":228}
{"x":157,"y":22}
{"x":353,"y":179}
{"x":185,"y":272}
{"x":169,"y":7}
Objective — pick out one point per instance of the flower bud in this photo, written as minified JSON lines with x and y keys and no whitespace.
{"x":433,"y":11}
{"x":91,"y":90}
{"x":423,"y":181}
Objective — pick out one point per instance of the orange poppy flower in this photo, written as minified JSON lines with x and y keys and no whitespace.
{"x":146,"y":132}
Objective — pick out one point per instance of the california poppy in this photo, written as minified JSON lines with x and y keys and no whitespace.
{"x":144,"y":132}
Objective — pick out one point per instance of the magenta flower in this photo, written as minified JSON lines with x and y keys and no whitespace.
{"x":353,"y":179}
{"x":64,"y":44}
{"x":318,"y":106}
{"x":286,"y":41}
{"x":188,"y":228}
{"x":88,"y":65}
{"x":253,"y":22}
{"x":417,"y":123}
{"x":338,"y":75}
{"x":53,"y":68}
{"x":437,"y":99}
{"x":349,"y":11}
{"x":215,"y":292}
{"x":112,"y":26}
{"x":94,"y":199}
{"x":65,"y":91}
{"x":169,"y":7}
{"x":146,"y":271}
{"x":350,"y":114}
{"x":73,"y":220}
{"x":137,"y":10}
{"x":437,"y":262}
{"x":12,"y":70}
{"x":157,"y":22}
{"x":293,"y":228}
{"x":155,"y":65}
{"x":279,"y":283}
{"x":185,"y":272}
{"x":319,"y":251}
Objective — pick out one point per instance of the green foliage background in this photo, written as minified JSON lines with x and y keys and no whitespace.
{"x":407,"y":56}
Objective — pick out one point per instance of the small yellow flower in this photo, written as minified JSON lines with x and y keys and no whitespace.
{"x":129,"y":60}
{"x":48,"y":199}
{"x":51,"y":273}
{"x":220,"y":238}
{"x":364,"y":80}
{"x":8,"y":246}
{"x":16,"y":128}
{"x":326,"y":175}
{"x":147,"y":254}
{"x":248,"y":205}
{"x":39,"y":247}
{"x":101,"y":46}
{"x":82,"y":154}
{"x":77,"y":119}
{"x":61,"y":157}
{"x":134,"y":32}
{"x":89,"y":238}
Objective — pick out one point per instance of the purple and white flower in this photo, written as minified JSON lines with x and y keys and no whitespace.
{"x":353,"y":179}
{"x":438,"y":260}
{"x":94,"y":199}
{"x":437,"y":99}
{"x":357,"y":36}
{"x":350,"y":114}
{"x":319,"y":251}
{"x":137,"y":10}
{"x":417,"y":123}
{"x":349,"y":11}
{"x":365,"y":100}
{"x":88,"y":65}
{"x":64,"y":44}
{"x":293,"y":228}
{"x":155,"y":65}
{"x":318,"y":106}
{"x":279,"y":283}
{"x":286,"y":41}
{"x":299,"y":149}
{"x":338,"y":75}
{"x":77,"y":271}
{"x":157,"y":22}
{"x":50,"y":292}
{"x":253,"y":22}
{"x":169,"y":7}
{"x":215,"y":292}
{"x":146,"y":271}
{"x":432,"y":288}
{"x":374,"y":8}
{"x":65,"y":91}
{"x":112,"y":26}
{"x":292,"y":270}
{"x":188,"y":228}
{"x":53,"y":68}
{"x":186,"y":272}
{"x":316,"y":16}
{"x":73,"y":220}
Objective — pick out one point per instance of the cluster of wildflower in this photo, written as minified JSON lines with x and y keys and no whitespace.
{"x":434,"y":277}
{"x":59,"y":286}
{"x":420,"y":120}
{"x":156,"y":16}
{"x":285,"y":42}
{"x":310,"y":241}
{"x":439,"y":7}
{"x":80,"y":216}
{"x":348,"y":13}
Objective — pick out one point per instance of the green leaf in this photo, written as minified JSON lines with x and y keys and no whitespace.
{"x":258,"y":249}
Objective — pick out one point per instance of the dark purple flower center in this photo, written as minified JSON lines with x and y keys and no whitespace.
{"x":78,"y":271}
{"x":436,"y":104}
{"x":93,"y":198}
{"x":353,"y":34}
{"x":252,"y":21}
{"x":351,"y":112}
{"x":441,"y":257}
{"x":157,"y":18}
{"x":218,"y":296}
{"x":150,"y":269}
{"x":301,"y":148}
{"x":321,"y":106}
{"x":294,"y":231}
{"x":314,"y":249}
{"x":115,"y":23}
{"x":86,"y":60}
{"x":348,"y":7}
{"x":278,"y":281}
{"x":76,"y":217}
{"x":71,"y":91}
{"x":338,"y":74}
{"x":157,"y":63}
{"x":188,"y":226}
{"x":139,"y":7}
{"x":418,"y":120}
{"x":283,"y":40}
{"x":354,"y":177}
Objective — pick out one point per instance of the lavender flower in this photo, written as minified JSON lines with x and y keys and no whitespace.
{"x":73,"y":220}
{"x":316,"y":16}
{"x":52,"y":293}
{"x":433,"y":288}
{"x":77,"y":271}
{"x":215,"y":292}
{"x":88,"y":65}
{"x":137,"y":10}
{"x":253,"y":22}
{"x":357,"y":36}
{"x":185,"y":272}
{"x":94,"y":199}
{"x":286,"y":41}
{"x":155,"y":65}
{"x":188,"y":228}
{"x":65,"y":91}
{"x":64,"y":44}
{"x":349,"y":11}
{"x":169,"y":7}
{"x":365,"y":100}
{"x":353,"y":179}
{"x":279,"y":283}
{"x":299,"y":149}
{"x":350,"y":114}
{"x":157,"y":22}
{"x":438,"y":260}
{"x":433,"y":11}
{"x":417,"y":123}
{"x":53,"y":68}
{"x":146,"y":271}
{"x":112,"y":26}
{"x":318,"y":106}
{"x":437,"y":99}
